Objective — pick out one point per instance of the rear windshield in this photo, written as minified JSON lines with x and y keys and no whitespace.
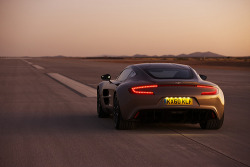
{"x":170,"y":73}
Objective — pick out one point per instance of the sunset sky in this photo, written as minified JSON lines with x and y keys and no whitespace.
{"x":124,"y":27}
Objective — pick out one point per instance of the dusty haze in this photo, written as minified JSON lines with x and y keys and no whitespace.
{"x":119,"y":27}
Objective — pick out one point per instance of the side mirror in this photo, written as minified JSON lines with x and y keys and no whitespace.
{"x":204,"y":77}
{"x":106,"y":77}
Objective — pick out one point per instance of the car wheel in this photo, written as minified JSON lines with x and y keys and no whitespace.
{"x":117,"y":117}
{"x":100,"y":112}
{"x":212,"y":124}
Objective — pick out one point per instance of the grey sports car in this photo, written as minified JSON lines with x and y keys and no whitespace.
{"x":163,"y":92}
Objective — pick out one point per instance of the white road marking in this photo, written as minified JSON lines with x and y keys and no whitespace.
{"x":38,"y":67}
{"x":77,"y":86}
{"x":27,"y":61}
{"x":35,"y":66}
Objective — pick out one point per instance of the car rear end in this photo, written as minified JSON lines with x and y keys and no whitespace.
{"x":189,"y":100}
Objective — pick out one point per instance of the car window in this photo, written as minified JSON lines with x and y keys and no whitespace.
{"x":124,"y":75}
{"x":170,"y":73}
{"x":132,"y":74}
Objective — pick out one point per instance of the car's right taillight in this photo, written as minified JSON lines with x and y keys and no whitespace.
{"x":213,"y":91}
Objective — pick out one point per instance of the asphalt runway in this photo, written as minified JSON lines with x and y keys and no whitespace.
{"x":44,"y":123}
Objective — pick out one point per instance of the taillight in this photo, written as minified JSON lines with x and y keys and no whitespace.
{"x":141,"y":90}
{"x":213,"y":91}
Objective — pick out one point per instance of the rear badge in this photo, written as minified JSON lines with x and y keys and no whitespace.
{"x":178,"y":101}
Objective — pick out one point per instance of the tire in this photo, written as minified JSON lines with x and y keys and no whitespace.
{"x":117,"y":117}
{"x":100,"y":112}
{"x":212,"y":123}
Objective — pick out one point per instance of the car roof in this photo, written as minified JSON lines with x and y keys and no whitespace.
{"x":161,"y":65}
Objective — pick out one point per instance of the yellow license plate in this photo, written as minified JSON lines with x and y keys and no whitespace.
{"x":178,"y":101}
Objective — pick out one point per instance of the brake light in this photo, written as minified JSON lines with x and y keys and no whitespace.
{"x":139,"y":89}
{"x":214,"y":90}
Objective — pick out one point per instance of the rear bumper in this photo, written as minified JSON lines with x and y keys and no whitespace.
{"x":143,"y":104}
{"x":175,"y":115}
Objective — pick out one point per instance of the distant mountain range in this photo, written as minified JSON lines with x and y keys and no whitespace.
{"x":195,"y":54}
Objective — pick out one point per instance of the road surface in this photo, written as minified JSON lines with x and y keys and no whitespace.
{"x":45,"y":123}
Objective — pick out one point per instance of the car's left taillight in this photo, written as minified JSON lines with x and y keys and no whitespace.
{"x":143,"y":90}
